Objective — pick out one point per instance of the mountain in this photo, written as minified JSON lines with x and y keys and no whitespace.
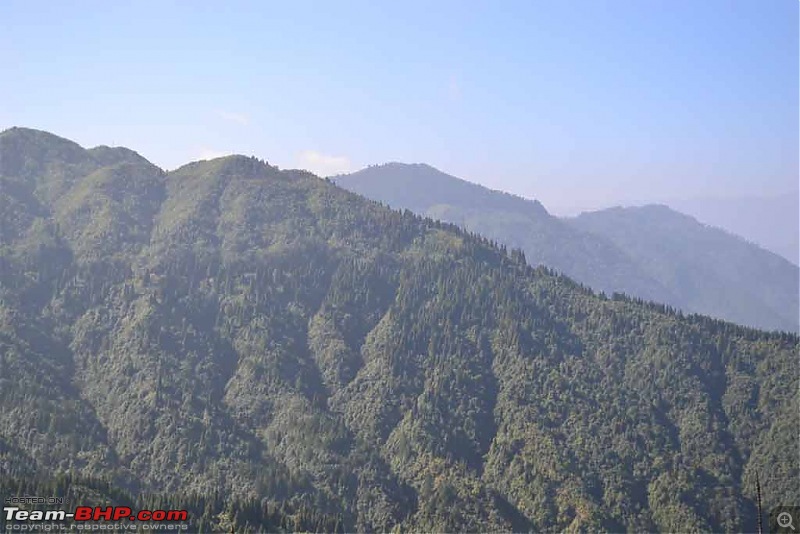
{"x":245,"y":334}
{"x":709,"y":270}
{"x":731,"y":279}
{"x":769,"y":221}
{"x":511,"y":220}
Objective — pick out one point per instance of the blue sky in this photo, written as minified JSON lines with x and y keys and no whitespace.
{"x":577,"y":103}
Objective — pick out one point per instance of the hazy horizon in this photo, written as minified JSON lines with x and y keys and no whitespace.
{"x":768,"y":221}
{"x":578,"y":105}
{"x":743,"y":216}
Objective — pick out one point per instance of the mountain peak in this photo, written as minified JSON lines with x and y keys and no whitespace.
{"x":32,"y":132}
{"x":403,"y":165}
{"x":44,"y":157}
{"x":233,"y":164}
{"x":419,"y":186}
{"x":28,"y":139}
{"x":32,"y":154}
{"x":651,"y":212}
{"x":106,"y":155}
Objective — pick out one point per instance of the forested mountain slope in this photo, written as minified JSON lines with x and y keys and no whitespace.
{"x":232,"y":327}
{"x":508,"y":219}
{"x":708,"y":269}
{"x":654,"y":254}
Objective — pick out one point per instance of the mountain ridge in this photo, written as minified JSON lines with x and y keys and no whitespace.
{"x":602,"y":260}
{"x":705,"y":256}
{"x":769,"y":220}
{"x":284,"y":339}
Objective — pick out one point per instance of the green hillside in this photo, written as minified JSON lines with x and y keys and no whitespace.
{"x":514,"y":221}
{"x":651,"y":253}
{"x":230,"y":327}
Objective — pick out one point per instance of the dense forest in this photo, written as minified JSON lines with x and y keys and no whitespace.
{"x":651,"y":252}
{"x":207,"y":512}
{"x":238,"y":336}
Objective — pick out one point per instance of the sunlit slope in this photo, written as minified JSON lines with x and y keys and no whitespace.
{"x":230,"y":326}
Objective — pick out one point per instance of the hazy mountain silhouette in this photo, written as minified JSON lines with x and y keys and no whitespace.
{"x":709,"y":270}
{"x":772,"y":222}
{"x":747,"y":285}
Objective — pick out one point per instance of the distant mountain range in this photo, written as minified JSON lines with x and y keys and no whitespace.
{"x":271,"y":351}
{"x":772,"y":221}
{"x":652,"y":252}
{"x":707,"y":269}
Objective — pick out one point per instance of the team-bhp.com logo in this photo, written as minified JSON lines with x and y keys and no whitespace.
{"x":95,"y":518}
